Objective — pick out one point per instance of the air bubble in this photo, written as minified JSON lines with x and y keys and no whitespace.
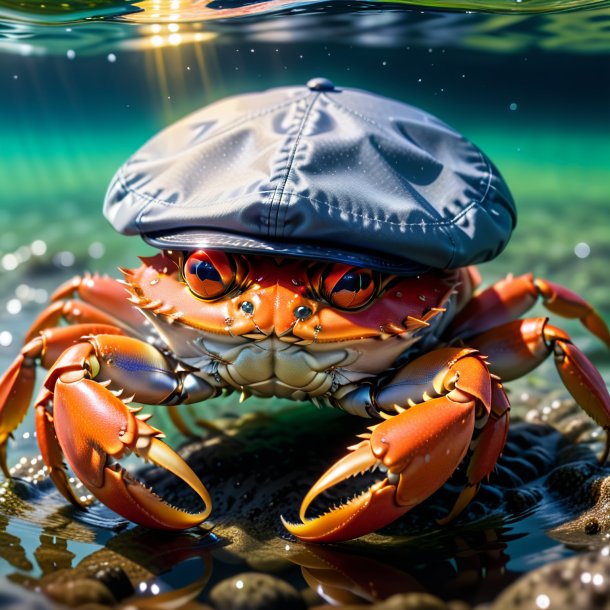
{"x":38,"y":247}
{"x":96,"y":249}
{"x":14,"y":306}
{"x":10,"y":262}
{"x":582,"y":250}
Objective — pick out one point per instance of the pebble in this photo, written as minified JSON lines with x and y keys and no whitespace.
{"x":255,"y":591}
{"x":116,"y":580}
{"x":75,"y":593}
{"x":582,"y":581}
{"x":405,"y":601}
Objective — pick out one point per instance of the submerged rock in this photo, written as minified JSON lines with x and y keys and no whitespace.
{"x":405,"y":601}
{"x":582,"y":582}
{"x":255,"y":591}
{"x":75,"y":592}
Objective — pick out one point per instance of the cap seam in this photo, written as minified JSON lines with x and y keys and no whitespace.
{"x":220,"y":132}
{"x":357,"y":114}
{"x":258,"y":114}
{"x":475,"y":148}
{"x":276,"y":201}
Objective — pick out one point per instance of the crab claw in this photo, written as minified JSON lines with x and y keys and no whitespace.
{"x":93,"y":427}
{"x":16,"y":387}
{"x":419,"y":448}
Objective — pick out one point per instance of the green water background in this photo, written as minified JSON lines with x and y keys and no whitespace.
{"x":535,"y":103}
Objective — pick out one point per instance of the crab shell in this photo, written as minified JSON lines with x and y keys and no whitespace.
{"x":274,"y":334}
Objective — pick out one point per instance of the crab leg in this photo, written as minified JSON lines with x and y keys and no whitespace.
{"x":516,"y":348}
{"x":487,"y":448}
{"x":436,"y":400}
{"x":511,"y":297}
{"x":17,"y":383}
{"x":102,"y":300}
{"x":81,"y":419}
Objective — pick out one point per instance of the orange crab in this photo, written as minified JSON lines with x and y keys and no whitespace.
{"x":427,"y":355}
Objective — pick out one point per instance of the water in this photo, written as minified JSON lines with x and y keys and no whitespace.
{"x":86,"y":83}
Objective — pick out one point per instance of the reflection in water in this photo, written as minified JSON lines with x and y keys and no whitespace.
{"x":52,"y":554}
{"x":54,"y":13}
{"x":133,"y":563}
{"x":11,"y":549}
{"x":201,"y":23}
{"x":343,"y":577}
{"x":136,"y":564}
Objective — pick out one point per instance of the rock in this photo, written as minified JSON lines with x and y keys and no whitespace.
{"x":405,"y":601}
{"x":412,"y":601}
{"x":80,"y":591}
{"x":116,"y":580}
{"x":582,"y":581}
{"x":255,"y":591}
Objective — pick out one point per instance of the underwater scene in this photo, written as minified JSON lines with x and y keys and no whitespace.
{"x":85,"y":84}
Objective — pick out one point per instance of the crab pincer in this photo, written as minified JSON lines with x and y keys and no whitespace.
{"x":81,"y":420}
{"x":418,"y":448}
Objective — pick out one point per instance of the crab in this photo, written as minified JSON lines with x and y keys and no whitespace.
{"x":425,"y":357}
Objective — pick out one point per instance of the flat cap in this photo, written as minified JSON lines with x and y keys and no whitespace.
{"x":320,"y":172}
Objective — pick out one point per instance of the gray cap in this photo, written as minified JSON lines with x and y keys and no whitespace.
{"x":318,"y":172}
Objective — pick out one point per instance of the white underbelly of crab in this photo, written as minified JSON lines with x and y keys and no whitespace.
{"x":274,"y":367}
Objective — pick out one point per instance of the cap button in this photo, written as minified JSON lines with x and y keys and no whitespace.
{"x":320,"y":84}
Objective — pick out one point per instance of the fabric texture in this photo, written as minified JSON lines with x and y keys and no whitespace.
{"x":320,"y":172}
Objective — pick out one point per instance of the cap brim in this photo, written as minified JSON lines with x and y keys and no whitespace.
{"x":194,"y":239}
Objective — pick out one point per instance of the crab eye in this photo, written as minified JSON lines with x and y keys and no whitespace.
{"x":349,"y":287}
{"x":209,"y":274}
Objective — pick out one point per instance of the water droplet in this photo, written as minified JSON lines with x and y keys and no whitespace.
{"x":111,"y":57}
{"x":513,"y":106}
{"x":71,"y":54}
